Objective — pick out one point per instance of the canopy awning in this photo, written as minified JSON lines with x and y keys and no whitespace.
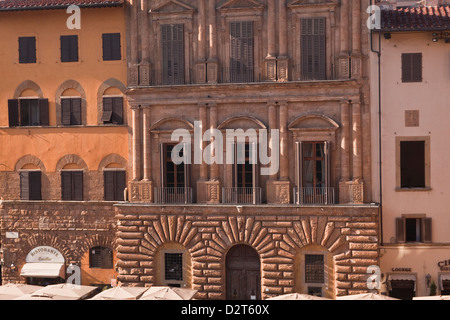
{"x":43,"y":270}
{"x":401,"y":277}
{"x":443,"y":277}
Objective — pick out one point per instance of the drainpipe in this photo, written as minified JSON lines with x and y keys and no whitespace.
{"x":379,"y":123}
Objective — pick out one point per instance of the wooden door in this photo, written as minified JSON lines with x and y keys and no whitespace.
{"x":243,"y":273}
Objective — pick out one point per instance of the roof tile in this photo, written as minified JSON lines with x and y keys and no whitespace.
{"x":416,"y":18}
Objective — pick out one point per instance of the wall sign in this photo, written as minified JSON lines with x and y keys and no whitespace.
{"x":45,"y":254}
{"x":401,"y":269}
{"x":444,"y":265}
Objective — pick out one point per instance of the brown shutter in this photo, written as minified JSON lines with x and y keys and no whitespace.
{"x":65,"y":49}
{"x":241,"y":51}
{"x":43,"y":112}
{"x":65,"y":111}
{"x":120,"y":184}
{"x":313,"y":48}
{"x":24,"y":185}
{"x":400,"y":228}
{"x":107,"y":110}
{"x":75,"y":117}
{"x":35,"y":185}
{"x":416,"y":63}
{"x":77,"y":185}
{"x":406,"y":68}
{"x":66,"y":185}
{"x":327,"y":150}
{"x":117,"y":115}
{"x":426,"y":229}
{"x":13,"y":112}
{"x":106,"y":45}
{"x":27,"y":50}
{"x":172,"y":36}
{"x":115,"y":47}
{"x":74,"y":48}
{"x":108,"y":185}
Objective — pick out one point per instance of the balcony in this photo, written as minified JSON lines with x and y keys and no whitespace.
{"x":241,"y":195}
{"x":173,"y":195}
{"x":314,"y":195}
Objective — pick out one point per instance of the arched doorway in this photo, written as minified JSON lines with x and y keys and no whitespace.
{"x":243,"y":273}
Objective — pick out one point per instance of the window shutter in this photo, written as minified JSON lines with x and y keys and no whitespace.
{"x":107,"y":45}
{"x":107,"y":110}
{"x":241,"y":51}
{"x":73,"y":48}
{"x":416,"y":67}
{"x":108,"y":184}
{"x":120,"y":185}
{"x":117,"y":107}
{"x":115,"y":47}
{"x":35,"y":185}
{"x":173,"y":53}
{"x":400,"y":226}
{"x":66,"y":185}
{"x":313,"y":48}
{"x":65,"y":111}
{"x":327,"y":150}
{"x":24,"y":185}
{"x":27,"y":50}
{"x":77,"y":185}
{"x":13,"y":112}
{"x":426,"y":229}
{"x":75,"y":115}
{"x":43,"y":112}
{"x":162,"y":168}
{"x":65,"y":49}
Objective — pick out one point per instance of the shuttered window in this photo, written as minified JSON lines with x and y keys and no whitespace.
{"x":28,"y":112}
{"x":30,"y":185}
{"x":412,"y":67}
{"x":69,"y":48}
{"x":72,"y":185}
{"x":241,"y":51}
{"x":101,"y":257}
{"x":313,"y":48}
{"x":172,"y":36}
{"x":111,"y":46}
{"x":114,"y":182}
{"x":413,"y":229}
{"x":71,"y":111}
{"x":112,"y":110}
{"x":27,"y":50}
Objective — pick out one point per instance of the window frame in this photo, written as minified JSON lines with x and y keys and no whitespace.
{"x":74,"y":176}
{"x":27,"y":59}
{"x":412,"y":67}
{"x":424,"y":231}
{"x":310,"y":40}
{"x":240,"y":72}
{"x":103,"y":251}
{"x":114,"y":193}
{"x":116,"y":115}
{"x":169,"y":282}
{"x":72,"y":119}
{"x":16,"y":116}
{"x":33,"y":185}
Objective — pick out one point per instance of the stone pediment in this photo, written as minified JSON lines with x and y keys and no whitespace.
{"x":172,"y":6}
{"x":314,"y":122}
{"x":241,"y":4}
{"x":295,"y":3}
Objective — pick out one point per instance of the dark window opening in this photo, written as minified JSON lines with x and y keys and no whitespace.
{"x":114,"y":185}
{"x":30,"y":185}
{"x":413,"y":230}
{"x":402,"y":289}
{"x":172,"y":53}
{"x":27,"y":50}
{"x":71,"y":111}
{"x":412,"y":67}
{"x":28,"y":112}
{"x":69,"y":48}
{"x":101,"y":257}
{"x":314,"y":268}
{"x":111,"y":46}
{"x":72,"y":185}
{"x":173,"y":266}
{"x":412,"y":164}
{"x":241,"y":51}
{"x":313,"y":48}
{"x":112,"y":110}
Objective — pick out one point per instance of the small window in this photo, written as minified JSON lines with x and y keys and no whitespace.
{"x":72,"y":185}
{"x":114,"y":185}
{"x":412,"y":164}
{"x":314,"y":268}
{"x":111,"y":46}
{"x":69,"y":48}
{"x":27,"y":50}
{"x":101,"y":257}
{"x":412,"y":67}
{"x":71,"y":111}
{"x":30,"y":185}
{"x":28,"y":112}
{"x":112,"y":110}
{"x":173,"y":266}
{"x":410,"y":229}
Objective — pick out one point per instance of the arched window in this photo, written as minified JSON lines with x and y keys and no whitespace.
{"x":101,"y":257}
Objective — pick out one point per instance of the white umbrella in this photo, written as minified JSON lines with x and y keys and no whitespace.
{"x":13,"y":290}
{"x":366,"y":296}
{"x":168,"y":293}
{"x":297,"y":296}
{"x":432,"y":298}
{"x":120,"y":293}
{"x":63,"y":291}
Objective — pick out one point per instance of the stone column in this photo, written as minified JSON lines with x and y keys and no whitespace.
{"x":133,"y":68}
{"x":356,"y":62}
{"x":271,"y":62}
{"x":212,"y":63}
{"x":136,"y":123}
{"x":200,"y":65}
{"x":283,"y":59}
{"x":144,"y":67}
{"x":344,"y":182}
{"x":357,"y":138}
{"x":213,"y":184}
{"x":344,"y":67}
{"x":147,"y":158}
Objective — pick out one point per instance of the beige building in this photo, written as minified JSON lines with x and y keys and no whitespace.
{"x":227,"y":230}
{"x":410,"y":157}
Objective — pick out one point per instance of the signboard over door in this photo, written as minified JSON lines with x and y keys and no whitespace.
{"x":45,"y":254}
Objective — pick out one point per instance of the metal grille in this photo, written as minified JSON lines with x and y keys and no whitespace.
{"x":173,"y":266}
{"x":314,"y":268}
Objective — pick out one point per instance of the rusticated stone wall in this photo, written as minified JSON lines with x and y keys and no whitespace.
{"x":277,"y":233}
{"x":70,"y":227}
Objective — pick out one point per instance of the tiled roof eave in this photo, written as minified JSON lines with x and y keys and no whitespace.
{"x":117,"y":3}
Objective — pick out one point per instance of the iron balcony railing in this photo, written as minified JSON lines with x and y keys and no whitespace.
{"x":173,"y":195}
{"x":314,"y":195}
{"x":241,"y":195}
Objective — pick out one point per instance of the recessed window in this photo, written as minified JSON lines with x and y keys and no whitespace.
{"x":30,"y":185}
{"x":72,"y":185}
{"x":101,"y":257}
{"x":241,"y":51}
{"x":172,"y":53}
{"x":412,"y":67}
{"x":28,"y":112}
{"x":173,"y":266}
{"x":114,"y":184}
{"x":111,"y":46}
{"x":71,"y":111}
{"x":112,"y":110}
{"x":412,"y":229}
{"x":314,"y":268}
{"x":69,"y":48}
{"x":313,"y":48}
{"x":27,"y":50}
{"x":412,"y":164}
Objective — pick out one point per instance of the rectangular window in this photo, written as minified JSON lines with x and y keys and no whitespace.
{"x":69,"y":48}
{"x":72,"y":185}
{"x":412,"y":164}
{"x":101,"y":257}
{"x":28,"y":112}
{"x":314,"y":268}
{"x":172,"y":53}
{"x":27,"y":49}
{"x":71,"y":111}
{"x":174,"y":173}
{"x":411,"y":67}
{"x":411,"y":229}
{"x":30,"y":185}
{"x":173,"y":266}
{"x":112,"y":110}
{"x":313,"y":48}
{"x":111,"y":46}
{"x":241,"y":51}
{"x":114,"y":184}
